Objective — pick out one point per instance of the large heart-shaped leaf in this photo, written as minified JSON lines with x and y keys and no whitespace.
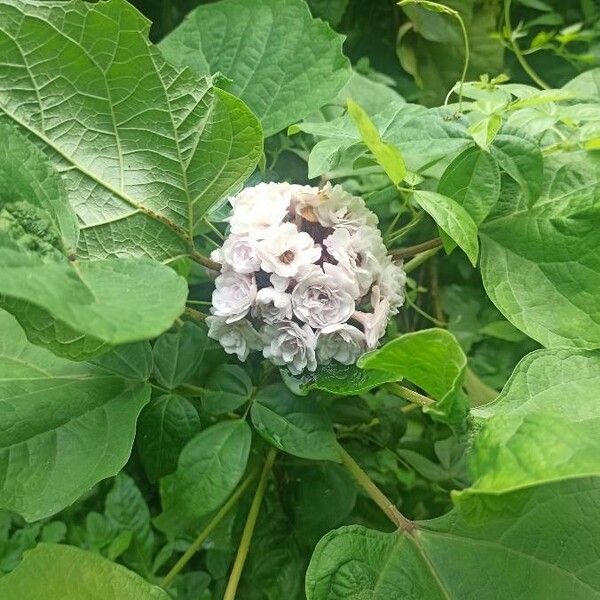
{"x":540,"y":543}
{"x":283,"y":63}
{"x":144,"y":148}
{"x":64,"y":426}
{"x":57,"y":572}
{"x":544,"y":426}
{"x":539,"y":259}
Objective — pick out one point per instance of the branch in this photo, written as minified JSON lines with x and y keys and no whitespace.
{"x":205,"y":261}
{"x":412,"y":250}
{"x":194,"y":315}
{"x":410,"y":395}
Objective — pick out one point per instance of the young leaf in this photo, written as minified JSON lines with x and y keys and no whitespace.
{"x":452,"y":219}
{"x":227,"y":388}
{"x":165,"y":426}
{"x":65,"y":425}
{"x":127,"y":510}
{"x":433,"y":360}
{"x":58,"y":572}
{"x":472,"y":180}
{"x":176,"y":355}
{"x":386,"y":155}
{"x":283,"y":63}
{"x":538,"y":261}
{"x":531,"y":543}
{"x":294,"y":424}
{"x":544,"y":426}
{"x":145,"y":149}
{"x":104,"y":302}
{"x":209,"y":468}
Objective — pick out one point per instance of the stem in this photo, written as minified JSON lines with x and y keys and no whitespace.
{"x":517,"y":51}
{"x":194,"y":315}
{"x":410,"y":395}
{"x":197,"y":543}
{"x":419,"y":259}
{"x":193,"y":390}
{"x":418,"y":248}
{"x":386,"y":505}
{"x":244,"y":547}
{"x":205,"y":261}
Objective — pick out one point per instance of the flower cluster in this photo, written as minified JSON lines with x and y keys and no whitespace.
{"x":305,"y":277}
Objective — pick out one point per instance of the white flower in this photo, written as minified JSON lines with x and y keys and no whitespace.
{"x":322,"y":299}
{"x":343,"y":343}
{"x":233,"y":296}
{"x":272,"y":305}
{"x":238,"y":254}
{"x":236,"y":338}
{"x":288,"y":344}
{"x":375,"y":323}
{"x":360,"y":252}
{"x":391,"y":282}
{"x":281,"y":284}
{"x":286,"y":250}
{"x":343,"y":209}
{"x":258,"y":209}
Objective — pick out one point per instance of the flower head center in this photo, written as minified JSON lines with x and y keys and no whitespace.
{"x":287,"y":257}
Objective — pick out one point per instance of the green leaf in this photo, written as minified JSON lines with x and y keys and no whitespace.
{"x":544,"y":426}
{"x":26,"y":175}
{"x":227,"y":388}
{"x":177,"y":355}
{"x":294,"y":424}
{"x":473,"y":180}
{"x":79,"y":309}
{"x":386,"y":155}
{"x":57,"y":572}
{"x":433,"y":360}
{"x":538,"y":543}
{"x":126,"y":510}
{"x":209,"y":468}
{"x":65,"y":426}
{"x":283,"y":63}
{"x":165,"y":426}
{"x":538,"y":260}
{"x":345,"y":380}
{"x":145,"y":149}
{"x":132,"y":361}
{"x":452,"y":219}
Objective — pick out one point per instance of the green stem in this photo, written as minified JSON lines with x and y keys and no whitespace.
{"x":410,"y":395}
{"x":419,"y":259}
{"x":517,"y":51}
{"x":366,"y":483}
{"x":191,"y":390}
{"x":203,"y":535}
{"x":194,"y":315}
{"x":205,"y":261}
{"x":418,"y":248}
{"x":244,"y":547}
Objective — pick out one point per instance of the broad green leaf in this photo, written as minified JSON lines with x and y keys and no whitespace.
{"x":544,"y":426}
{"x":329,"y":10}
{"x":586,"y":85}
{"x":177,"y":355}
{"x":538,"y":543}
{"x":522,"y":159}
{"x":132,"y":361}
{"x":80,"y":308}
{"x":294,"y":424}
{"x":227,"y":388}
{"x":345,"y":380}
{"x":126,"y":510}
{"x":57,"y":572}
{"x":539,"y":262}
{"x":209,"y":468}
{"x":145,"y":149}
{"x":283,"y":63}
{"x":65,"y":426}
{"x":452,"y":219}
{"x":473,"y":180}
{"x":27,"y":177}
{"x":386,"y":155}
{"x":165,"y":426}
{"x":433,"y":360}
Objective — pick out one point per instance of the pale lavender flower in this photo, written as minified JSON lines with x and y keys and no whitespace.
{"x":233,"y":296}
{"x":236,"y":338}
{"x":288,"y":344}
{"x":342,"y":342}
